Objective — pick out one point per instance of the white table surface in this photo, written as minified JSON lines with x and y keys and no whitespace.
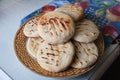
{"x":11,"y":13}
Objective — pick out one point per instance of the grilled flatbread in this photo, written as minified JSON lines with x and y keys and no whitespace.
{"x":76,"y":12}
{"x":86,"y":54}
{"x":33,"y":45}
{"x":55,"y":58}
{"x":55,"y":27}
{"x":86,"y":31}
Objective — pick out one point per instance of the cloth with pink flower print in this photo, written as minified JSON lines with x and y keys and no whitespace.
{"x":104,"y":13}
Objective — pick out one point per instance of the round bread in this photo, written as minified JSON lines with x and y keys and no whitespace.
{"x":55,"y":58}
{"x":33,"y":45}
{"x":86,"y":31}
{"x":30,"y":29}
{"x":76,"y":12}
{"x":86,"y":54}
{"x":55,"y":27}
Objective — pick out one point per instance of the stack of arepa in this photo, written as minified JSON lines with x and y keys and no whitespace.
{"x":62,"y":38}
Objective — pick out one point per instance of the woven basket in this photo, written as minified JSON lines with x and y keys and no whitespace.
{"x":30,"y":63}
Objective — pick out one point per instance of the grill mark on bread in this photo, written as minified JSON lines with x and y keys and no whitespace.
{"x":64,"y":52}
{"x":42,"y":41}
{"x":31,"y":30}
{"x":67,"y":22}
{"x":56,"y":33}
{"x":57,"y":62}
{"x":81,"y":62}
{"x":29,"y":23}
{"x":63,"y":26}
{"x":48,"y":63}
{"x":34,"y":22}
{"x":63,"y":46}
{"x":43,"y":23}
{"x":51,"y":33}
{"x":53,"y":23}
{"x":51,"y":47}
{"x":94,"y":54}
{"x":57,"y":51}
{"x":93,"y":47}
{"x":84,"y":49}
{"x":61,"y":30}
{"x":94,"y":33}
{"x":58,"y":24}
{"x":50,"y":54}
{"x":86,"y":61}
{"x":52,"y":59}
{"x":44,"y":57}
{"x":49,"y":44}
{"x":86,"y":34}
{"x":56,"y":18}
{"x":51,"y":20}
{"x":88,"y":49}
{"x":41,"y":51}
